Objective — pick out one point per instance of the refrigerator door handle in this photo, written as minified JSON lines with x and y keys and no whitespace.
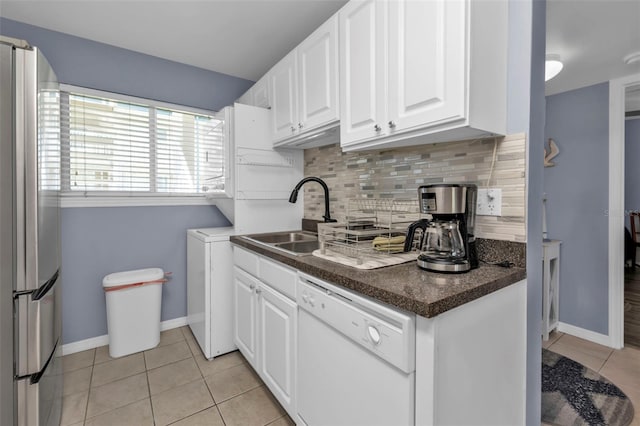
{"x":36,"y":327}
{"x":39,"y":293}
{"x":44,"y":289}
{"x":34,"y":378}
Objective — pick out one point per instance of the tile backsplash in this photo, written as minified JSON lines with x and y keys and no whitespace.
{"x":397,"y":173}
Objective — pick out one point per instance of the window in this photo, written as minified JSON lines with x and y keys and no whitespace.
{"x":131,"y":147}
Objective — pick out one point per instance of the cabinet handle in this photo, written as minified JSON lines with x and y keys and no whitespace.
{"x":252,"y":286}
{"x":293,"y":129}
{"x":300,"y":125}
{"x":392,"y":125}
{"x":258,"y":290}
{"x":377,"y":128}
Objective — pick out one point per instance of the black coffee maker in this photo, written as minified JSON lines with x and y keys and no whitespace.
{"x":447,"y":242}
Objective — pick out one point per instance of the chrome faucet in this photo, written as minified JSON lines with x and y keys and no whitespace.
{"x":294,"y":195}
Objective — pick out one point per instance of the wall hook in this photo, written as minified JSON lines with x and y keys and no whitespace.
{"x":549,"y":155}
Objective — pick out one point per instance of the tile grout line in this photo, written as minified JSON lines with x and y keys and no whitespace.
{"x":122,"y":378}
{"x":220,"y":414}
{"x":606,"y":360}
{"x":167,"y":364}
{"x":86,"y":408}
{"x":193,"y":381}
{"x":117,"y":408}
{"x":281,"y":417}
{"x":261,"y":384}
{"x":215,"y":403}
{"x":146,"y":373}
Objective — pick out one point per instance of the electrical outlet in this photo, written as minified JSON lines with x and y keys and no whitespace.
{"x":489,"y":202}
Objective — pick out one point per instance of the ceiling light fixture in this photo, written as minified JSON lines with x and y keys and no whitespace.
{"x":552,"y":67}
{"x":632,"y":58}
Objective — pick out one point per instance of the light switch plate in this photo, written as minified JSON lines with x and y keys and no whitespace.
{"x":489,"y":202}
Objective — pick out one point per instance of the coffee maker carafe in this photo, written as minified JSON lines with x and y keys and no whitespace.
{"x":447,"y":241}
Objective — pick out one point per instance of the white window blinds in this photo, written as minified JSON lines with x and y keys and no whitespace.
{"x":115,"y":147}
{"x":49,"y":140}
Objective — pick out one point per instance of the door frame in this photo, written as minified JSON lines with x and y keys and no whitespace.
{"x":616,"y":213}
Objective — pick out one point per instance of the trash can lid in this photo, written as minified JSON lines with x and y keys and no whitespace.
{"x":131,"y":277}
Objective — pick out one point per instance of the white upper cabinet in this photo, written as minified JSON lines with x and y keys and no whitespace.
{"x":284,"y":100}
{"x":260,"y":93}
{"x":247,"y":97}
{"x":317,"y":77}
{"x":304,"y":87}
{"x":362,"y":69}
{"x":415,"y":72}
{"x":426,"y":63}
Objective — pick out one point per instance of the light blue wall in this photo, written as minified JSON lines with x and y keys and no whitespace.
{"x":87,"y":63}
{"x":97,"y":241}
{"x":631,"y":169}
{"x":526,"y":106}
{"x":577,"y":189}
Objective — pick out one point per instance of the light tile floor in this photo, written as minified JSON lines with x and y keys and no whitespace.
{"x":174,"y":384}
{"x":621,"y":367}
{"x":170,"y":384}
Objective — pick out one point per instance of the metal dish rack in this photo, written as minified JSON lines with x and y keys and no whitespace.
{"x":367,"y":219}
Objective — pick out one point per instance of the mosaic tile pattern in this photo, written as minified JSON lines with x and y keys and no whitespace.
{"x":397,"y":174}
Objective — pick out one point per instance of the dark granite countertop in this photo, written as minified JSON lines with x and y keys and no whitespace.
{"x":405,"y":286}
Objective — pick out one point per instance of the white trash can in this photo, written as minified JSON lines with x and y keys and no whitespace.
{"x":133,"y":310}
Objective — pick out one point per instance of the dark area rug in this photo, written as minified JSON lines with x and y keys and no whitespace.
{"x":573,"y":394}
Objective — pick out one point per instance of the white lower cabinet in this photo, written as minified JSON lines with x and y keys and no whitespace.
{"x":266,"y":323}
{"x":470,"y":362}
{"x":245,"y":302}
{"x":277,"y":316}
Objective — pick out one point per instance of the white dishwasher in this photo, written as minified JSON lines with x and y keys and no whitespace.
{"x":356,"y":359}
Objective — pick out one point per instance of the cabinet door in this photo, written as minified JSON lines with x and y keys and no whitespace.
{"x":318,"y":76}
{"x":244,"y":301}
{"x":247,"y":97}
{"x":427,"y":51}
{"x":284,"y":98}
{"x":277,"y":319}
{"x":260,"y":92}
{"x":362,"y":70}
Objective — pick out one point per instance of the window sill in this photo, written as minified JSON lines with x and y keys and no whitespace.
{"x":141,"y":201}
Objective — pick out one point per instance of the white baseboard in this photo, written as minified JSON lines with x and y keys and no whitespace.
{"x":173,"y":323}
{"x":96,"y":342}
{"x":583,"y":333}
{"x":83,"y":345}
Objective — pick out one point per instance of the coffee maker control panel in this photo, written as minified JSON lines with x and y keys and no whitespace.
{"x":443,"y":198}
{"x":428,"y":202}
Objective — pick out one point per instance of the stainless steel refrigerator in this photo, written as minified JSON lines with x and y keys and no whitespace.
{"x":30,"y":280}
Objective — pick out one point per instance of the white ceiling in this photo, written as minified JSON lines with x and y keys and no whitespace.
{"x":245,"y":38}
{"x":592,"y":37}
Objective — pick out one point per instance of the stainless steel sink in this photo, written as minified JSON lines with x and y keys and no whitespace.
{"x":283,"y":237}
{"x":300,"y":247}
{"x":297,"y":243}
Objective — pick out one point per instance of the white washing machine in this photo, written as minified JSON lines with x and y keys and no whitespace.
{"x":210,"y":289}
